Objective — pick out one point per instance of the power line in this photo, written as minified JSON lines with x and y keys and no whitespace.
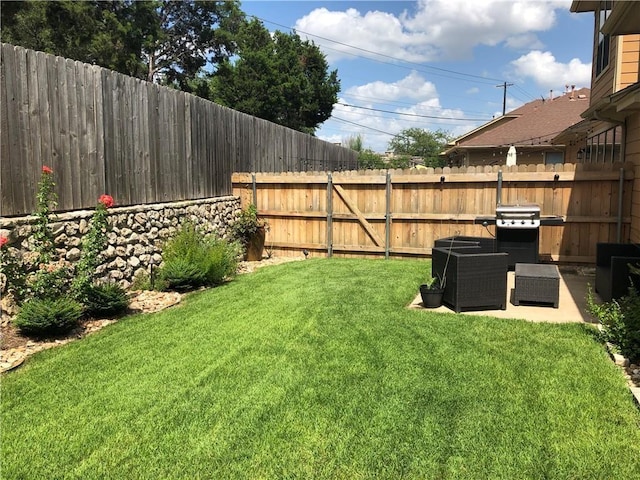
{"x":362,"y":126}
{"x":525,"y":92}
{"x":383,"y":101}
{"x":485,"y":79}
{"x":417,"y":115}
{"x":417,"y":121}
{"x":412,"y":68}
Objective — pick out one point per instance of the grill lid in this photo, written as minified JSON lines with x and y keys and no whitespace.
{"x":518,"y":216}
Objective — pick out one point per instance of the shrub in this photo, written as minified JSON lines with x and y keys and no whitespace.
{"x":620,"y":321}
{"x":630,"y":343}
{"x":222,"y":260}
{"x":246,"y":225}
{"x":105,"y":299}
{"x":142,"y":281}
{"x":182,"y":274}
{"x":48,"y":317}
{"x":49,"y":281}
{"x":192,"y":260}
{"x":93,"y":243}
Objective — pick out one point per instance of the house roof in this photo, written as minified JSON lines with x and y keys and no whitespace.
{"x":533,"y":124}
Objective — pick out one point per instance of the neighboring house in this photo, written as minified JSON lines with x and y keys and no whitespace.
{"x":610,"y":131}
{"x":530,"y":129}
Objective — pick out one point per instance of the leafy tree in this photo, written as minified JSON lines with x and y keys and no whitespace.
{"x":189,"y":34}
{"x":418,"y":142}
{"x":354,"y":142}
{"x":279,"y":78}
{"x":401,"y":161}
{"x":369,"y":160}
{"x":165,"y":41}
{"x":109,"y":34}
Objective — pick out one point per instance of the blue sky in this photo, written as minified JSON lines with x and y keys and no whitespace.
{"x":435,"y":64}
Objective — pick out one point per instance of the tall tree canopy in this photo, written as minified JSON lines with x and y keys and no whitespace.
{"x":418,"y":142}
{"x":109,"y":34}
{"x":278,"y":77}
{"x":166,"y":42}
{"x":187,"y":36}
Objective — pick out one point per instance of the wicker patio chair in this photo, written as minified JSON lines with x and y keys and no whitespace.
{"x":488,"y":245}
{"x":474,"y":280}
{"x":612,"y":269}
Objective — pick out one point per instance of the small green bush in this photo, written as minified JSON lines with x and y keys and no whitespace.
{"x":49,"y":280}
{"x":141,"y":281}
{"x":630,"y":343}
{"x":222,"y":260}
{"x":182,"y":274}
{"x":106,"y":299}
{"x":620,"y":321}
{"x":192,"y":260}
{"x":42,"y":317}
{"x":246,"y":225}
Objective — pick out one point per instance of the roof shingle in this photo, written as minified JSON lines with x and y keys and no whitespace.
{"x":534,"y":123}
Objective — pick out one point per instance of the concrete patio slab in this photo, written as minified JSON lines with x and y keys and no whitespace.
{"x":572,"y":306}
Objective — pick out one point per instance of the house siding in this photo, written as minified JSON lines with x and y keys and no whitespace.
{"x":629,"y":61}
{"x":493,"y":156}
{"x":633,"y":155}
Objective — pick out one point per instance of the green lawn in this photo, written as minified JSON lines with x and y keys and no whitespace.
{"x":316,"y":369}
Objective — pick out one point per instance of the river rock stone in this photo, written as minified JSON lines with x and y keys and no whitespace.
{"x":73,"y":255}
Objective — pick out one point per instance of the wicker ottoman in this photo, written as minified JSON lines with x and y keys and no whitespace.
{"x":537,"y":283}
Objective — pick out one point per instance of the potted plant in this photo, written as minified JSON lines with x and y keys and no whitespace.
{"x":432,"y":291}
{"x":250,"y":231}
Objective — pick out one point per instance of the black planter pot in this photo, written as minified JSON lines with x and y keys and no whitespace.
{"x":431,"y":296}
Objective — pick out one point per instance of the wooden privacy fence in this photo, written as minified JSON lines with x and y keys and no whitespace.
{"x":401,"y":213}
{"x":104,"y":132}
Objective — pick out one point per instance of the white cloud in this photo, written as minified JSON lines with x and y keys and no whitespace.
{"x":413,"y":86}
{"x":473,"y":90}
{"x":436,"y":30}
{"x":547,"y":72}
{"x":374,"y":31}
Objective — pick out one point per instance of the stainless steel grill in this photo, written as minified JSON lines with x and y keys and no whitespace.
{"x":518,"y":216}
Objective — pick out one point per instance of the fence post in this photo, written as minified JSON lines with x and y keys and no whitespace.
{"x":620,"y":200}
{"x":387,"y":216}
{"x":254,"y":189}
{"x":329,"y":215}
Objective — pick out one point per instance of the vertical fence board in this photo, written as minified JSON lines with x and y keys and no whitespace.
{"x":28,"y":171}
{"x":9,"y":135}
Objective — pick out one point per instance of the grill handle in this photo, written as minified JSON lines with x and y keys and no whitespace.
{"x":517,"y":216}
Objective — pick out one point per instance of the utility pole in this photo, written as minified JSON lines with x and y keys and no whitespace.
{"x":504,"y":95}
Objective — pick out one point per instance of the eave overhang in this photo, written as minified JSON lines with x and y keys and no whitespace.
{"x":615,"y":108}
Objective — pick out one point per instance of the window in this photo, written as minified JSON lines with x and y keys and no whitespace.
{"x":553,"y":157}
{"x":602,"y":55}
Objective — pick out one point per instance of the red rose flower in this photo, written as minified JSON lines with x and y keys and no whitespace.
{"x":106,"y":200}
{"x":46,"y":170}
{"x":3,"y":241}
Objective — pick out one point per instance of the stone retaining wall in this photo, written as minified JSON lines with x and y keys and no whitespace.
{"x":137,"y":233}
